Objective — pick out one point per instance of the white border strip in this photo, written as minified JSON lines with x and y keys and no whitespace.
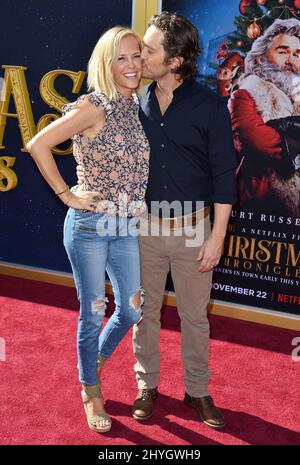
{"x":254,"y":310}
{"x":133,"y":14}
{"x":36,"y":269}
{"x":259,"y":310}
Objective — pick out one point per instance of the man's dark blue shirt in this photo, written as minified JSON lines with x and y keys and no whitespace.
{"x":192,"y":154}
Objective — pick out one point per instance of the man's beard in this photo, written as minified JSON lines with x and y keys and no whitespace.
{"x":286,"y":78}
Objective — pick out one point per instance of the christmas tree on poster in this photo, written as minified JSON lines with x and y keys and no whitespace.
{"x":255,"y":17}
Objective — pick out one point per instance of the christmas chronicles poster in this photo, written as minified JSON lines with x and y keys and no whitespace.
{"x":251,"y":57}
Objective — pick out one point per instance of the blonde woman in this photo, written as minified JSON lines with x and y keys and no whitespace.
{"x":110,"y":144}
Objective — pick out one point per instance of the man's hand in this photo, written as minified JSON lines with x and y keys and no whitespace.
{"x":80,"y":174}
{"x":210,"y":253}
{"x":211,"y":250}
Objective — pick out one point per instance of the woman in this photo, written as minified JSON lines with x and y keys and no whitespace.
{"x":110,"y":144}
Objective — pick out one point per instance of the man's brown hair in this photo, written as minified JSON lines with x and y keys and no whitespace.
{"x":181,"y":39}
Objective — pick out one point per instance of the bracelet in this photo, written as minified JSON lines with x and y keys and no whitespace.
{"x":59,"y":193}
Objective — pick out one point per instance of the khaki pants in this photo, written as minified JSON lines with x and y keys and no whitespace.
{"x":158,"y":255}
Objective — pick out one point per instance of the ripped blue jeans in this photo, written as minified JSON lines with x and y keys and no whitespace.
{"x":94,"y":246}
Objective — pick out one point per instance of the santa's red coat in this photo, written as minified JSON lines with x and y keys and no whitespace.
{"x":253,"y":138}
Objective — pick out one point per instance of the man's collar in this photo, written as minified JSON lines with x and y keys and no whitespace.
{"x":180,"y":90}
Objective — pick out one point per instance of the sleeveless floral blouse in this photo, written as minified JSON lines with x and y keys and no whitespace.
{"x":116,"y":159}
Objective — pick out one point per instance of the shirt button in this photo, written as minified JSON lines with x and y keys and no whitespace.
{"x":163,"y":166}
{"x":162,"y":124}
{"x":165,"y":187}
{"x":162,"y":146}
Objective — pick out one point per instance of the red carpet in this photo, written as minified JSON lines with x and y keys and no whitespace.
{"x":254,"y":379}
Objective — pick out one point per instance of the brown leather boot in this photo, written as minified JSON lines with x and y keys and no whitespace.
{"x":208,"y":412}
{"x":144,"y":403}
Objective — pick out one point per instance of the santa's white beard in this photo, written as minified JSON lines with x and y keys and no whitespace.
{"x":287,"y":80}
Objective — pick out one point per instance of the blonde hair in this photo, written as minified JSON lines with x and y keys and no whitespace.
{"x":100,"y":76}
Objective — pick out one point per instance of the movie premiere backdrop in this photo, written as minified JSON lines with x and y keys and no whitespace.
{"x":43,"y":65}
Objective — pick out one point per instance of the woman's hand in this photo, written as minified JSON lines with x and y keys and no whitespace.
{"x":82,"y":200}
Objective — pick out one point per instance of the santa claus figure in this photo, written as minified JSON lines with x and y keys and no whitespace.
{"x":265,"y":113}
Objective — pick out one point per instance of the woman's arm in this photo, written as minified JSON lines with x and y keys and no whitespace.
{"x":84,"y":116}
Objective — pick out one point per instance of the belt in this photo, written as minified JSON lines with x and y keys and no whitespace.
{"x":181,"y":221}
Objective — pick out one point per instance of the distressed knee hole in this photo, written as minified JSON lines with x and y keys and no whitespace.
{"x":100,"y":305}
{"x":137,"y":300}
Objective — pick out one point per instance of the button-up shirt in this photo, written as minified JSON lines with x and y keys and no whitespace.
{"x":192,"y":156}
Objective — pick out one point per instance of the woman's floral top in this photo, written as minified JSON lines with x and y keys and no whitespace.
{"x":116,"y":159}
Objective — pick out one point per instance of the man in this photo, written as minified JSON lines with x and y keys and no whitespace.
{"x":192,"y":159}
{"x":265,"y":113}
